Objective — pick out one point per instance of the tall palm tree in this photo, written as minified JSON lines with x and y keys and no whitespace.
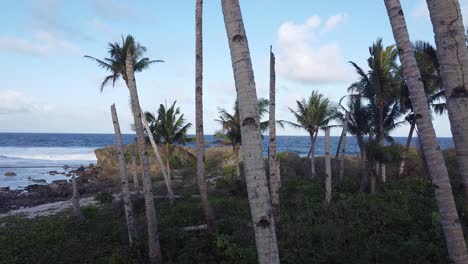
{"x":312,"y":115}
{"x":125,"y":59}
{"x":254,"y":166}
{"x":209,"y":214}
{"x":169,"y":128}
{"x":230,"y":133}
{"x":452,"y":52}
{"x":381,"y":86}
{"x":437,"y":170}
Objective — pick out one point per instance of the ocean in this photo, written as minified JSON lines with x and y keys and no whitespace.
{"x":32,"y":155}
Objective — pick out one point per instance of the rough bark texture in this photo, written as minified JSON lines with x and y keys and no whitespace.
{"x":452,"y":54}
{"x":166,"y":175}
{"x":328,"y":174}
{"x":154,"y":252}
{"x":128,"y":207}
{"x":435,"y":161}
{"x":254,"y":165}
{"x":275,"y":180}
{"x":342,"y":146}
{"x":407,"y":146}
{"x":77,"y":215}
{"x":208,"y":211}
{"x":136,"y":185}
{"x":312,"y":154}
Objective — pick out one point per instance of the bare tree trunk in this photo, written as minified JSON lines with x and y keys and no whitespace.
{"x":168,"y":161}
{"x":275,"y":180}
{"x":209,"y":214}
{"x":362,"y":148}
{"x":407,"y":146}
{"x":166,"y":174}
{"x":312,"y":154}
{"x":452,"y":54}
{"x":328,"y":174}
{"x":343,"y":145}
{"x":254,"y":165}
{"x":152,"y":223}
{"x":77,"y":215}
{"x":128,"y":207}
{"x":437,"y":170}
{"x":136,"y":185}
{"x":383,"y":172}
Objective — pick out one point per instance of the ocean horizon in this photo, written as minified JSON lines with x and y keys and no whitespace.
{"x":32,"y":155}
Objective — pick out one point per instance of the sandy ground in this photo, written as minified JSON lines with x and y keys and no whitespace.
{"x":48,"y":209}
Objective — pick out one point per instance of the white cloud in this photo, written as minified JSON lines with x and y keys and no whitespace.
{"x":99,"y":25}
{"x":334,"y":21}
{"x":304,"y":59}
{"x":14,"y":102}
{"x":42,"y":44}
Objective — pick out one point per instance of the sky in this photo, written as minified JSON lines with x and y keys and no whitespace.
{"x":48,"y":86}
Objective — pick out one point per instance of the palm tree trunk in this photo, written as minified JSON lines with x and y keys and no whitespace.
{"x":407,"y":146}
{"x":342,"y":146}
{"x":77,"y":215}
{"x":136,"y":186}
{"x":254,"y":165}
{"x":452,"y":54}
{"x":152,"y":223}
{"x":165,"y":173}
{"x":168,"y":161}
{"x":275,"y":180}
{"x":437,"y":169}
{"x":312,"y":155}
{"x":328,"y":177}
{"x":209,"y":214}
{"x":128,"y":208}
{"x":362,"y":149}
{"x":381,"y":166}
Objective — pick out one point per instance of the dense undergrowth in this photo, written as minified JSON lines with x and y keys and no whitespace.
{"x":399,"y":224}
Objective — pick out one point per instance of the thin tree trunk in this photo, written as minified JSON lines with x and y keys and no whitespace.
{"x":343,"y":145}
{"x":168,"y":161}
{"x":328,"y":179}
{"x":407,"y":146}
{"x":312,"y":156}
{"x":362,"y":148}
{"x":209,"y":214}
{"x":128,"y":207}
{"x":452,"y":54}
{"x":383,"y":172}
{"x":136,"y":185}
{"x":152,"y":223}
{"x":165,"y":173}
{"x":254,"y":165}
{"x":275,"y":180}
{"x":437,"y":170}
{"x":77,"y":215}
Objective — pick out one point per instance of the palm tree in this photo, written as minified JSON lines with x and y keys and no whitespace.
{"x":437,"y":170}
{"x":126,"y":58}
{"x":273,"y":164}
{"x":128,"y":207}
{"x":230,"y":133}
{"x":359,"y":125}
{"x":254,"y":166}
{"x":169,"y":128}
{"x":312,"y":115}
{"x":452,"y":52}
{"x":381,"y":86}
{"x":209,"y":214}
{"x":428,"y":65}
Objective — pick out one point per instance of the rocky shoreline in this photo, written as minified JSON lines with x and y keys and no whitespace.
{"x":58,"y":190}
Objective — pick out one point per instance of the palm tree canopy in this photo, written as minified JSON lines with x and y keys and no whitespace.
{"x":230,"y":123}
{"x":115,"y":63}
{"x":312,"y":114}
{"x":170,"y":126}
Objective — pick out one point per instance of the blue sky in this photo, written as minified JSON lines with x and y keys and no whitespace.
{"x":47,"y":85}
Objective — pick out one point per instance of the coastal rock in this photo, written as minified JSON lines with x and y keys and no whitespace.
{"x":53,"y":172}
{"x":39,"y":180}
{"x":10,"y":173}
{"x":66,"y":167}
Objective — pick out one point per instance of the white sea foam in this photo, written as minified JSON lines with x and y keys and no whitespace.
{"x":49,"y":154}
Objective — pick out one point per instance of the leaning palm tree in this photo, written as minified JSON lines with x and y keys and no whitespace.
{"x":169,"y":128}
{"x":125,"y":59}
{"x":254,"y":166}
{"x":230,"y":133}
{"x":437,"y":170}
{"x":209,"y":214}
{"x":452,"y":52}
{"x":312,"y":115}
